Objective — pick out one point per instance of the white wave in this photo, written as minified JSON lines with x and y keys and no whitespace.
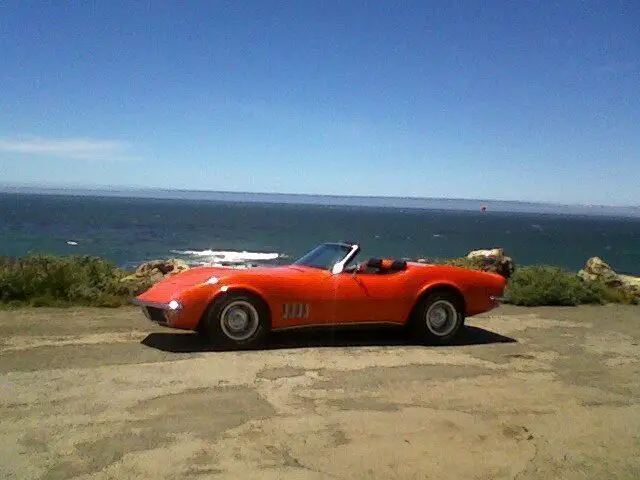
{"x":229,"y":256}
{"x":236,"y":266}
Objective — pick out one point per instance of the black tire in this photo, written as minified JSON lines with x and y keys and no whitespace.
{"x":201,"y":328}
{"x":427,"y":330}
{"x":218,"y":328}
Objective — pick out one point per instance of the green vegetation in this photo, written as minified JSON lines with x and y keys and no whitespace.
{"x":477,"y":263}
{"x":45,"y":280}
{"x":553,"y":286}
{"x":546,"y":285}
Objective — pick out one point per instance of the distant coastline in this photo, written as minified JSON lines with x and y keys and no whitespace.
{"x":462,"y":204}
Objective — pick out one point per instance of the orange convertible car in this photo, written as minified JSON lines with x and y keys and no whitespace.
{"x":326,"y":287}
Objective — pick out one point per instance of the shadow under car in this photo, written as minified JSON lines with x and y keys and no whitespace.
{"x":190,"y":342}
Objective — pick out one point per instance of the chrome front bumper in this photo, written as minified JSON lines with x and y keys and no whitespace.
{"x":155,"y":312}
{"x":142,"y":303}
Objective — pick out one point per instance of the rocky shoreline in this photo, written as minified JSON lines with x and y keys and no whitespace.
{"x":48,"y":280}
{"x":595,"y":271}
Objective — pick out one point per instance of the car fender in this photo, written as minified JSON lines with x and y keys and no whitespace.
{"x":436,"y":284}
{"x":228,"y":288}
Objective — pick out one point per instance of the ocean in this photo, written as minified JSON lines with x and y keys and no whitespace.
{"x":129,"y":231}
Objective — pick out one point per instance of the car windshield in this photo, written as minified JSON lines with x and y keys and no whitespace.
{"x":324,"y":256}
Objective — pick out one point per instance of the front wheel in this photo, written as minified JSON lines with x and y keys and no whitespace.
{"x":437,"y":318}
{"x":237,"y":321}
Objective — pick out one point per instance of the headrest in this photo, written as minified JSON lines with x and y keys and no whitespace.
{"x":399,"y":265}
{"x":374,"y":263}
{"x":386,"y":264}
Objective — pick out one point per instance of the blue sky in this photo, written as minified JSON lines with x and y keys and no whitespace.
{"x":530,"y":101}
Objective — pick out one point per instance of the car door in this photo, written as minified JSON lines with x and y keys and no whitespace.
{"x":369,"y":297}
{"x":301,"y":297}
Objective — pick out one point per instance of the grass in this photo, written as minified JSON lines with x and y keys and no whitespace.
{"x":47,"y":280}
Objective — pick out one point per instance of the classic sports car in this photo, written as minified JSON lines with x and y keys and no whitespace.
{"x":326,"y":287}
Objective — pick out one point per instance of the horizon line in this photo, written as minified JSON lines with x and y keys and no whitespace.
{"x":151,"y":189}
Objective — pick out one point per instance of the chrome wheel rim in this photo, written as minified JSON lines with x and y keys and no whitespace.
{"x":239,"y":320}
{"x":441,"y":318}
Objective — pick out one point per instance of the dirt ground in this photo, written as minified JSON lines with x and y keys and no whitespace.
{"x":543,"y":393}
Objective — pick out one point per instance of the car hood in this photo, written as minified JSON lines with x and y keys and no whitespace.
{"x":172,"y":286}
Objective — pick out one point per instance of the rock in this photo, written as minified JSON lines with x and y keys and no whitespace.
{"x":493,"y":252}
{"x":597,"y":269}
{"x":631,"y":283}
{"x":152,"y":272}
{"x":493,"y":260}
{"x":153,"y":276}
{"x":170,"y":266}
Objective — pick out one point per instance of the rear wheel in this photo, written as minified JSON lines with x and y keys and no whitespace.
{"x":237,"y":320}
{"x":437,"y":318}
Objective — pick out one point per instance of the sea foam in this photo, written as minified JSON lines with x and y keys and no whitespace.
{"x":227,"y":257}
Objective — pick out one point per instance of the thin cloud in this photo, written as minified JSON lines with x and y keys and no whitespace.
{"x":76,"y":148}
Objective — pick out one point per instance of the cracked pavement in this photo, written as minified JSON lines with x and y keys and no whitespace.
{"x":525,"y":394}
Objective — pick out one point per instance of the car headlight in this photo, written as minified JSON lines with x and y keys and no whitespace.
{"x":173,"y":311}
